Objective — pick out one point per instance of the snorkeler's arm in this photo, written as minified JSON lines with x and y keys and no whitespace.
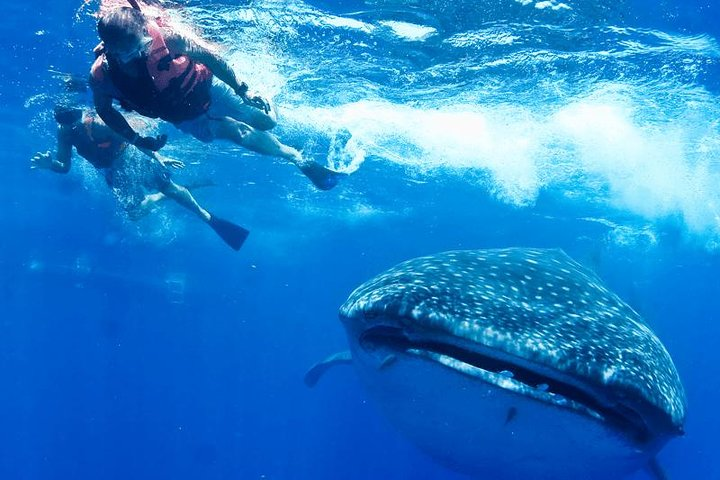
{"x":165,"y":161}
{"x":113,"y":118}
{"x":218,"y":66}
{"x":116,"y":121}
{"x":63,"y":156}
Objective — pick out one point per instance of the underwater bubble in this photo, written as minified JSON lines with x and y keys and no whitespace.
{"x":175,"y":284}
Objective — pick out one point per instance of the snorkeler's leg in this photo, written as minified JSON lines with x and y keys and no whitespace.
{"x":152,"y":199}
{"x":253,"y":139}
{"x":138,"y":210}
{"x":183,"y":197}
{"x":254,"y":111}
{"x":232,"y":234}
{"x":266,"y":143}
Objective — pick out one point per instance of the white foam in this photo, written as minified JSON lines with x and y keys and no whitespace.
{"x":346,"y":23}
{"x":654,"y":170}
{"x":602,"y":146}
{"x":409,"y":31}
{"x":456,"y":138}
{"x":552,"y":5}
{"x":624,"y":145}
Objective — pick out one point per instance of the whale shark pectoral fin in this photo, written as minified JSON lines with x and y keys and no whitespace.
{"x":318,"y":370}
{"x":387,"y":361}
{"x":656,"y":471}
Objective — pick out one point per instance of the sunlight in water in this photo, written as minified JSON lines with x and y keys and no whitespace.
{"x":521,"y":116}
{"x":602,"y":143}
{"x":605,"y":114}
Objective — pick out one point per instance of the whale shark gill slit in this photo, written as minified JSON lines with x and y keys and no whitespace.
{"x":615,"y":414}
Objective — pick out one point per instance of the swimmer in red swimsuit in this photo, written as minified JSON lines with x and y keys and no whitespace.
{"x":138,"y":177}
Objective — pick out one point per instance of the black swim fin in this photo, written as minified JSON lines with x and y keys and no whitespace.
{"x":233,"y":235}
{"x":322,"y":177}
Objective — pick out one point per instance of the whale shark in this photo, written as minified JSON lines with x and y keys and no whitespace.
{"x":513,"y":363}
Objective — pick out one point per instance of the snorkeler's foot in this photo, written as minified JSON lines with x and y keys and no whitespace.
{"x":149,"y":202}
{"x":234,"y":235}
{"x":322,"y":177}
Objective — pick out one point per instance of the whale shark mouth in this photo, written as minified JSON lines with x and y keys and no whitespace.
{"x":539,"y":382}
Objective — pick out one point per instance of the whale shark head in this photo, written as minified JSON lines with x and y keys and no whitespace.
{"x":514,"y":363}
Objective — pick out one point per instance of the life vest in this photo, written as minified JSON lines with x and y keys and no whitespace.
{"x":88,"y":124}
{"x":172,"y":87}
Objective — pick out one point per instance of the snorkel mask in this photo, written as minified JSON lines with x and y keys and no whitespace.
{"x":127,"y":56}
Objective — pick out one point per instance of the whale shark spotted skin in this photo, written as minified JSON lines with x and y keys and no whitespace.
{"x":514,"y":363}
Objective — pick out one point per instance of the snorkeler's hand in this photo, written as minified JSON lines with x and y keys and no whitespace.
{"x":241,"y":89}
{"x":258,"y":102}
{"x":151,"y":143}
{"x":171,"y":162}
{"x":41,"y":160}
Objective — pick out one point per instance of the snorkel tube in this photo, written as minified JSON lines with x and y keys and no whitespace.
{"x":134,"y":4}
{"x":153,"y":3}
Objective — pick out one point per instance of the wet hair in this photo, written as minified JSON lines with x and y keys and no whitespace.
{"x":119,"y":24}
{"x":67,"y":114}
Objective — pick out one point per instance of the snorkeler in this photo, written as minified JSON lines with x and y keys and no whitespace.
{"x":159,"y":73}
{"x":130,"y":172}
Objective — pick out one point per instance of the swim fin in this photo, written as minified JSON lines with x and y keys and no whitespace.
{"x":233,"y":235}
{"x":322,"y":177}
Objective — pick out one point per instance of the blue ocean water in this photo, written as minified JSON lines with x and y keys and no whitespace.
{"x":150,"y":350}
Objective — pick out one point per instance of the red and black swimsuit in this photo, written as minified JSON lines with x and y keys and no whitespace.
{"x":100,"y":152}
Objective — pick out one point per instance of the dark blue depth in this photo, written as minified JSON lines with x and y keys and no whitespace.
{"x":153,"y":351}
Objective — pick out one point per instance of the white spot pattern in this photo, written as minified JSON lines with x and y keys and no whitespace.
{"x":535,"y":304}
